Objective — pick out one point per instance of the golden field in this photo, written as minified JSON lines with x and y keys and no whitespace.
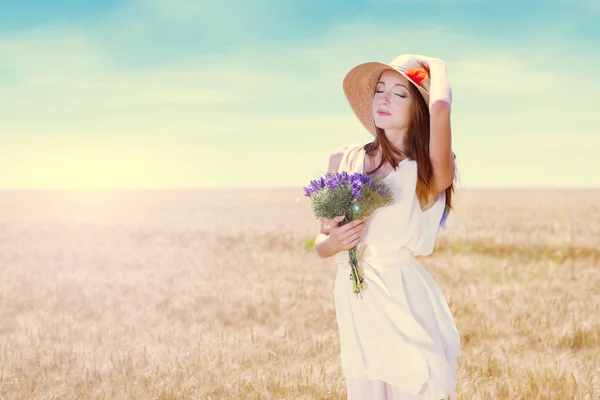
{"x":216,"y":294}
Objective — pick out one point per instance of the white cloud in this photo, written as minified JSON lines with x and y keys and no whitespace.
{"x":143,"y":22}
{"x":585,"y":5}
{"x":50,"y":50}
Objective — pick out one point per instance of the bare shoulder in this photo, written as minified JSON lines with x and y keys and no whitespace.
{"x":335,"y":158}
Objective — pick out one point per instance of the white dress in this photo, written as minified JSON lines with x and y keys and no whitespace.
{"x":399,"y":341}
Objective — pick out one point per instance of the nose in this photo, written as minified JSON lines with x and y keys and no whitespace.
{"x":385,"y":100}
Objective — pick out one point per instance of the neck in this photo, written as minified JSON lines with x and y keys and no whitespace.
{"x":396,"y":137}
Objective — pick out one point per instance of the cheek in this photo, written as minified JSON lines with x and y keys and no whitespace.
{"x":376,"y":101}
{"x":402,"y":108}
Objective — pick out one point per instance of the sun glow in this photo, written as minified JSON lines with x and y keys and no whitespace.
{"x":95,"y":168}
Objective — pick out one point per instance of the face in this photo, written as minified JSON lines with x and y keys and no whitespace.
{"x":392,"y":96}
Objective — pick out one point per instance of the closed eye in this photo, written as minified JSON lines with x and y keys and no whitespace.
{"x":397,"y":94}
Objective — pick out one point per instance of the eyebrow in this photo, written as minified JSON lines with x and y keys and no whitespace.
{"x":396,"y":84}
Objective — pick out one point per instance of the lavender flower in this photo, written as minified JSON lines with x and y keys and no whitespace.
{"x":332,"y":181}
{"x":444,"y":217}
{"x":357,"y":183}
{"x":352,"y":195}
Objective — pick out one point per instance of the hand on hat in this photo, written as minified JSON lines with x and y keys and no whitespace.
{"x":429,"y":61}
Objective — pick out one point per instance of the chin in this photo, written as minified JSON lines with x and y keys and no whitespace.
{"x":383,"y":125}
{"x":388,"y":123}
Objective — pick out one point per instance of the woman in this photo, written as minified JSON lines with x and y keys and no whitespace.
{"x":399,"y":341}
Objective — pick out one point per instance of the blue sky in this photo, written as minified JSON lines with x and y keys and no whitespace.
{"x":182,"y":93}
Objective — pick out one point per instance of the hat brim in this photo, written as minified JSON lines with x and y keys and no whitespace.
{"x":359,"y":88}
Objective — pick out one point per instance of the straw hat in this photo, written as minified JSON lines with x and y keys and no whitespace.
{"x":360,"y":83}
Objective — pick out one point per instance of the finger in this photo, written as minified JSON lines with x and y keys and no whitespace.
{"x":336,"y":223}
{"x":360,"y":220}
{"x":350,"y":225}
{"x":360,"y":223}
{"x":351,"y":238}
{"x":352,"y":244}
{"x":355,"y":237}
{"x":355,"y":243}
{"x":358,"y":226}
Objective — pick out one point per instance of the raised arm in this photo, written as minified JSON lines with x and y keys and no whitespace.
{"x":440,"y":140}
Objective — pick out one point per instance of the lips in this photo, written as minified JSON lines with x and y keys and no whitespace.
{"x":383,"y":112}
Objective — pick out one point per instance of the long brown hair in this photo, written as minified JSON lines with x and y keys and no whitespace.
{"x":416,"y":146}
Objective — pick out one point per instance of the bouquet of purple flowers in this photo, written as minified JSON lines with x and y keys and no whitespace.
{"x":353,"y":196}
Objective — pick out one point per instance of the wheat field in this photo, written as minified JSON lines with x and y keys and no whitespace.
{"x":217,"y":294}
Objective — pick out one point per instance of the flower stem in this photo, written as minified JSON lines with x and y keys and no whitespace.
{"x":357,"y":280}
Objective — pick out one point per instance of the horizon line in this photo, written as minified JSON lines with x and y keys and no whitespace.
{"x":191,"y":188}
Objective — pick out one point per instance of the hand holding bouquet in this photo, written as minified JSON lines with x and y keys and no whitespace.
{"x":343,"y":198}
{"x":344,"y":237}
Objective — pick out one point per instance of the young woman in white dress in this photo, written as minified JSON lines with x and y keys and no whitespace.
{"x":399,"y":340}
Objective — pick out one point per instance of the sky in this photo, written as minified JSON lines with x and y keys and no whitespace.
{"x":190,"y":94}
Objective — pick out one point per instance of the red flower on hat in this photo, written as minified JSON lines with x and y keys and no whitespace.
{"x":417,"y":75}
